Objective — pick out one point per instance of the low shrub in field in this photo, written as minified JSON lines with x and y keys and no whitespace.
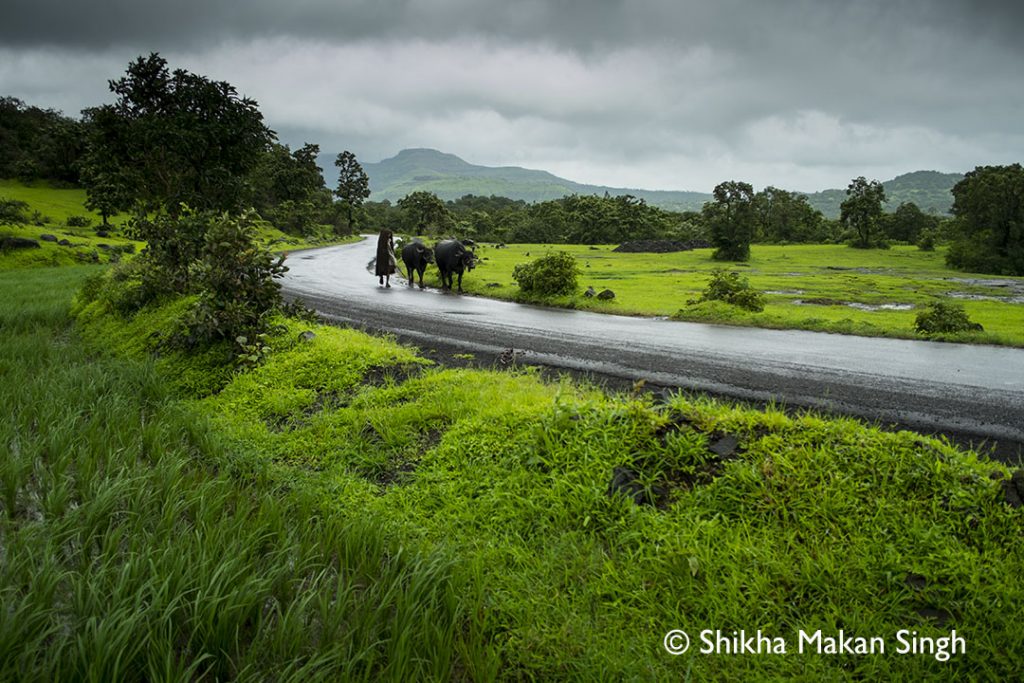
{"x":927,"y":241}
{"x":944,"y":317}
{"x":549,"y":275}
{"x":78,"y":222}
{"x":733,"y":289}
{"x":235,"y":279}
{"x":13,"y":211}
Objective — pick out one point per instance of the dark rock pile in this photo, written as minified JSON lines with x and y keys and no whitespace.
{"x":661,"y":246}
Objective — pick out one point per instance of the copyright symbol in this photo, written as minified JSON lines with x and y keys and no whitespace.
{"x":676,"y":642}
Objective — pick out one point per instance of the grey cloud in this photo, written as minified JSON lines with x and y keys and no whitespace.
{"x":668,"y":91}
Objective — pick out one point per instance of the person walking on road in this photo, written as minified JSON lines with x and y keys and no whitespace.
{"x":386,"y":262}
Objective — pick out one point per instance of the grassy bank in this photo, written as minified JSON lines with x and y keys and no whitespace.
{"x":758,"y":520}
{"x":51,"y":207}
{"x":808,"y":287}
{"x":129,"y":550}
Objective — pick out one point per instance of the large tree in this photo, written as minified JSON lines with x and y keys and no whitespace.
{"x":862,"y":210}
{"x":176,"y":138}
{"x":353,"y":184}
{"x":988,"y":210}
{"x":287,"y":188}
{"x":784,"y":216}
{"x":38,"y":143}
{"x":908,"y":221}
{"x":425,"y":214}
{"x":731,"y":219}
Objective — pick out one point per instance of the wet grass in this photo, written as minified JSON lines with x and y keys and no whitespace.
{"x":55,"y":205}
{"x":130,"y":550}
{"x":808,"y":287}
{"x":808,"y":523}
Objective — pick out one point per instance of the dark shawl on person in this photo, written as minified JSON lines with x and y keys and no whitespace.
{"x":385,"y":255}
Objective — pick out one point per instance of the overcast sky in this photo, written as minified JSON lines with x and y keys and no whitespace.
{"x":656,"y":94}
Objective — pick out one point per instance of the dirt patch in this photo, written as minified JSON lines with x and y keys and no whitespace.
{"x":379,"y":375}
{"x":656,"y":490}
{"x":398,"y":473}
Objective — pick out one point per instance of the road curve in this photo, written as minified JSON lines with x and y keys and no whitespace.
{"x":975,"y":392}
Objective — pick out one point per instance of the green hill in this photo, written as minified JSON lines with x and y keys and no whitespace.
{"x":930,"y":190}
{"x":450,"y":177}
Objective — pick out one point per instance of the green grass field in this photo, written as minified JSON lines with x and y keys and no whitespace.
{"x":56,"y":205}
{"x":809,"y":524}
{"x":130,"y":552}
{"x":808,"y":287}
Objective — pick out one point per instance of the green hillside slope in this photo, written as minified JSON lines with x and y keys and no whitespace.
{"x":450,"y":177}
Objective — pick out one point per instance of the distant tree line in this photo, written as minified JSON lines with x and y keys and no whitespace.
{"x":39,"y":143}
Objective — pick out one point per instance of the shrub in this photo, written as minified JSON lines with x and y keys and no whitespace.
{"x":78,"y":222}
{"x":549,"y":275}
{"x":733,"y":289}
{"x":13,"y":211}
{"x":235,"y":279}
{"x":174,"y":243}
{"x":125,"y":288}
{"x":944,"y":317}
{"x":927,"y":241}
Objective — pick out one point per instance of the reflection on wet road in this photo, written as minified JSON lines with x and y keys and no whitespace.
{"x":972,"y":390}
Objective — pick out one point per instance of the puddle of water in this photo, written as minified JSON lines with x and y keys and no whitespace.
{"x":967,"y":296}
{"x":784,"y":291}
{"x":854,"y":304}
{"x":881,"y":307}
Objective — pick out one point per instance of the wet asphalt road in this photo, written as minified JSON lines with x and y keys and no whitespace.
{"x":971,"y":392}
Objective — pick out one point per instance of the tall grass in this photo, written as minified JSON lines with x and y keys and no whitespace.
{"x":124,"y":555}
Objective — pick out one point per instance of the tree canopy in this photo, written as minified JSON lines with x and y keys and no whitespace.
{"x":862,"y":210}
{"x":731,"y":220}
{"x":425,"y":213}
{"x":353,"y":184}
{"x":988,"y":210}
{"x":174,"y":138}
{"x":38,"y":143}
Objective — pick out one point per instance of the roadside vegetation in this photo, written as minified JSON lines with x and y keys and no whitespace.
{"x":728,"y":517}
{"x":133,"y":550}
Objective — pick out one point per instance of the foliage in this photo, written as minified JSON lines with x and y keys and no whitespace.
{"x":731,"y":219}
{"x":943,"y":317}
{"x":173,"y":244}
{"x":786,"y":217}
{"x":926,"y":241}
{"x":38,"y":143}
{"x":548,"y":275}
{"x":235,"y":280}
{"x":78,"y":222}
{"x":287,"y":188}
{"x":13,"y":211}
{"x":353,"y":184}
{"x":172,"y":138}
{"x":424,"y":214}
{"x":734,"y":289}
{"x":988,"y":205}
{"x":907,"y":223}
{"x":861,"y":211}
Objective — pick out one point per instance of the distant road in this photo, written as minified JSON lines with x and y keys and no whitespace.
{"x":975,"y":392}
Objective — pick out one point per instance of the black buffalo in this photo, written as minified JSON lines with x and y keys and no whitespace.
{"x":451,"y":257}
{"x":416,"y":256}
